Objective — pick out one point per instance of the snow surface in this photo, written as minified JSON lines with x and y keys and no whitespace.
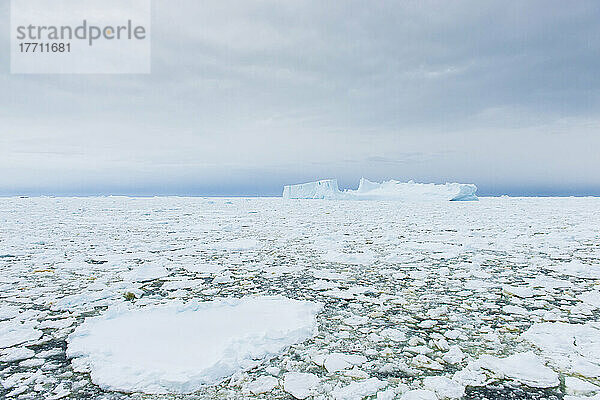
{"x":387,"y":190}
{"x":414,"y":293}
{"x":180,"y":347}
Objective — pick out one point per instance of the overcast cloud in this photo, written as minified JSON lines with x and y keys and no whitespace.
{"x":246,"y":96}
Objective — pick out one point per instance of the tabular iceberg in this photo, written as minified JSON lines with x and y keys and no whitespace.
{"x":387,"y":190}
{"x":325,"y":189}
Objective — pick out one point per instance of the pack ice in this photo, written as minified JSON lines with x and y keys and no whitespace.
{"x":423,"y":300}
{"x":387,"y":190}
{"x":180,"y":347}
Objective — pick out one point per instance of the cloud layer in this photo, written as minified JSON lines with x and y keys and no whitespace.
{"x":246,"y":96}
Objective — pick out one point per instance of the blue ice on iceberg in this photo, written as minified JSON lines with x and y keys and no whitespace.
{"x":387,"y":190}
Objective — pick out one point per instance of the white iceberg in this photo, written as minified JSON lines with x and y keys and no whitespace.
{"x":180,"y":347}
{"x":325,"y":189}
{"x":395,"y":190}
{"x":387,"y":190}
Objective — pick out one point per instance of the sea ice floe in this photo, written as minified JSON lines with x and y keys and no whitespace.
{"x":573,"y":348}
{"x":59,"y":392}
{"x":519,"y":291}
{"x":444,"y":387}
{"x":7,"y":312}
{"x":32,"y":362}
{"x":577,"y":269}
{"x":183,"y":284}
{"x":595,"y":397}
{"x":322,"y":284}
{"x":180,"y":347}
{"x":512,"y":309}
{"x":300,"y":384}
{"x":81,"y":300}
{"x":388,"y":394}
{"x":422,"y":361}
{"x":452,"y":334}
{"x":14,"y":332}
{"x":338,"y":361}
{"x":365,"y":258}
{"x":548,"y":283}
{"x":263,"y":384}
{"x":242,"y":244}
{"x":419,"y":394}
{"x":204,"y":268}
{"x":16,"y":354}
{"x":329,"y":274}
{"x":576,"y":386}
{"x":223,"y":277}
{"x":356,"y":373}
{"x":340,"y":294}
{"x":454,"y":355}
{"x":356,"y":320}
{"x":526,"y":368}
{"x":471,"y":375}
{"x":358,"y":390}
{"x":592,"y":298}
{"x":146,"y":272}
{"x":393,"y":334}
{"x":57,"y":323}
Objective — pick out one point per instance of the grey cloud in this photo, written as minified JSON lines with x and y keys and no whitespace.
{"x":505,"y":94}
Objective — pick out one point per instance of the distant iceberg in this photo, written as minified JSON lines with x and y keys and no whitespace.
{"x":387,"y":190}
{"x":325,"y":189}
{"x":395,"y":190}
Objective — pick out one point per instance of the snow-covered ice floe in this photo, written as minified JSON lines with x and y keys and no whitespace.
{"x":324,"y":189}
{"x":574,"y":348}
{"x":16,"y":332}
{"x":526,"y":368}
{"x":387,"y":190}
{"x":180,"y":347}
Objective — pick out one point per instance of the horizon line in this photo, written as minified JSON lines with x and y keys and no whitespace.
{"x":266,"y":196}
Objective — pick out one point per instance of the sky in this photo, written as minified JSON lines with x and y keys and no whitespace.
{"x":246,"y":96}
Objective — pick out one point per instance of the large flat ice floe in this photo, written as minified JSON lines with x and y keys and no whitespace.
{"x":181,"y":347}
{"x":526,"y":368}
{"x":15,"y":332}
{"x":387,"y":190}
{"x":573,"y":348}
